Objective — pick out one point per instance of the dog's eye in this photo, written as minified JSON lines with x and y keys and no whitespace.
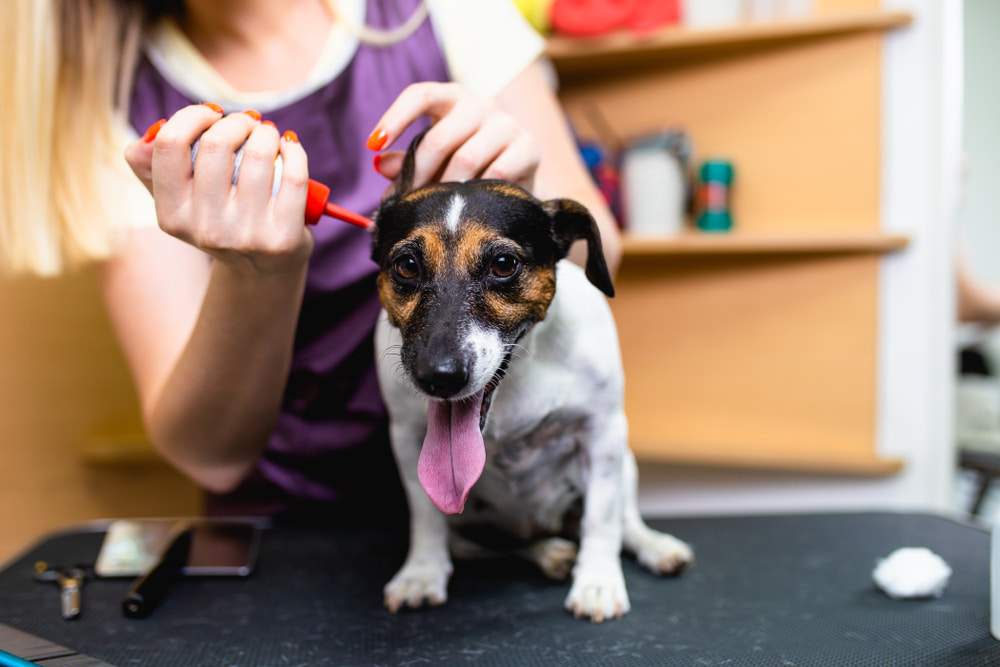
{"x":504,"y":266}
{"x":406,"y":267}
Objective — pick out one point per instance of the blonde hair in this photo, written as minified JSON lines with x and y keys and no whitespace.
{"x":63,"y":84}
{"x":376,"y":36}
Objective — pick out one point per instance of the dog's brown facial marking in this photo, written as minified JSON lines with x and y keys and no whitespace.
{"x":501,"y":288}
{"x":466,"y":269}
{"x":516,"y":290}
{"x":528,"y":302}
{"x":417,"y":257}
{"x":398,"y":307}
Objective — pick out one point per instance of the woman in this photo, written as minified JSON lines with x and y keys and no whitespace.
{"x":248,"y":334}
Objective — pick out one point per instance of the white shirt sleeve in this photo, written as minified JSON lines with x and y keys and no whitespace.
{"x":486,"y":43}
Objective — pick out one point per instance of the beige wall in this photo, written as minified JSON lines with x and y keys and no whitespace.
{"x":64,"y":389}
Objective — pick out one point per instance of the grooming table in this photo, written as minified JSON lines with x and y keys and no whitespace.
{"x":764,"y":590}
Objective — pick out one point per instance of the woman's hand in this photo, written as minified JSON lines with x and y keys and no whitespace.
{"x":242,"y":226}
{"x":472,"y":137}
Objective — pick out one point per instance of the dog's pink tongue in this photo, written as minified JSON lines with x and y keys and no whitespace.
{"x":453,"y":454}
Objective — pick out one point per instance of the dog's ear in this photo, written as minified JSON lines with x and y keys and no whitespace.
{"x":571,"y":221}
{"x":403,"y":182}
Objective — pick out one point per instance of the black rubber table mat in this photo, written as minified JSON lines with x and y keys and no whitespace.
{"x":780,"y":590}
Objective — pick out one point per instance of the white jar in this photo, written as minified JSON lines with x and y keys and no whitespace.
{"x":654,"y":185}
{"x":712,"y":13}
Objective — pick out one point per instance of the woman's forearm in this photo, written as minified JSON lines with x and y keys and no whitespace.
{"x":214,"y":411}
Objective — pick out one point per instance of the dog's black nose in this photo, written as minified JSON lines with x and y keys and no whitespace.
{"x":443,"y":378}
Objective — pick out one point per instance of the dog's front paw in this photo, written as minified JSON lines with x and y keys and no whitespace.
{"x":661,"y":553}
{"x":598,"y":594}
{"x":416,"y":585}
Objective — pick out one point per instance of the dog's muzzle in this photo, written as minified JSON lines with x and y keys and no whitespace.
{"x":442,"y":377}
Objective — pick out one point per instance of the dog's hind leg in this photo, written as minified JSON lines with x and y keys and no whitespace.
{"x":658,"y":552}
{"x":555,"y":556}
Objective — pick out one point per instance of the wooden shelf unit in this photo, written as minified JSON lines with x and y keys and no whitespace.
{"x":730,"y":244}
{"x":757,"y":348}
{"x":575,"y":56}
{"x":859,"y":464}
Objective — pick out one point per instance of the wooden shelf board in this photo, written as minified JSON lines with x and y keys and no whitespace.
{"x":126,"y":451}
{"x":762,"y":244}
{"x":825,"y":462}
{"x":119,"y":449}
{"x":576,"y":55}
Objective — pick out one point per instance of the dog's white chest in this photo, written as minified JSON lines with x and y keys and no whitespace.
{"x":533,"y":481}
{"x":566,"y":381}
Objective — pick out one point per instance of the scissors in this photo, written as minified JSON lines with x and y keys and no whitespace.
{"x":70,"y":581}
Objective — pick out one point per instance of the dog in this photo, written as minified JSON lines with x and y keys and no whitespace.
{"x":505,"y":393}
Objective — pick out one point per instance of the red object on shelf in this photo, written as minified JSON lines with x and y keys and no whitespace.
{"x":653,"y":14}
{"x":590,"y":18}
{"x":587,"y":18}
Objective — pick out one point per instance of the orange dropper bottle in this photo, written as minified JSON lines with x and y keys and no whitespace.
{"x":318,"y":202}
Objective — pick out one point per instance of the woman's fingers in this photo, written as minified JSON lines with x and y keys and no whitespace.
{"x":171,"y":159}
{"x":139,"y":155}
{"x":256,"y":221}
{"x":389,"y":163}
{"x":476,"y":153}
{"x":471,"y":137}
{"x":212,"y":188}
{"x":255,"y":182}
{"x":419,"y":99}
{"x":290,"y":202}
{"x":518,"y":162}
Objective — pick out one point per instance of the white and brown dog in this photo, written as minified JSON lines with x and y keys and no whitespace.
{"x":505,"y":394}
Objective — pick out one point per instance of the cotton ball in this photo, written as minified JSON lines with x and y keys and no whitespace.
{"x":912,"y":572}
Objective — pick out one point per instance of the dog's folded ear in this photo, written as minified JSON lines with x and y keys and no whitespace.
{"x":571,"y":221}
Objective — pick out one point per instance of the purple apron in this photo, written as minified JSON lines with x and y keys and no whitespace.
{"x":328,"y":458}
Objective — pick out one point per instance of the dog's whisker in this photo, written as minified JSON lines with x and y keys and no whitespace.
{"x":518,"y":353}
{"x":392,"y":350}
{"x":404,"y":379}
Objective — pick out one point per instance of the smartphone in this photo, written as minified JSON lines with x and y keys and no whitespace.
{"x":219,"y":547}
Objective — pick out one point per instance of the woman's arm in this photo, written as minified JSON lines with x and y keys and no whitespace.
{"x":561,"y":172}
{"x":209,"y":341}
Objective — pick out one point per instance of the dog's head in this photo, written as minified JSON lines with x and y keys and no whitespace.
{"x":466,"y":269}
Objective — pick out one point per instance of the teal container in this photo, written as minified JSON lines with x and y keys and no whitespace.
{"x":714,"y":214}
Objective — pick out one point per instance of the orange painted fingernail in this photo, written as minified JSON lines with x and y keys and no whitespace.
{"x":290,"y":135}
{"x":377,"y":140}
{"x":214,"y":107}
{"x":253,"y":114}
{"x":269,"y":122}
{"x":153,"y":130}
{"x":378,"y":158}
